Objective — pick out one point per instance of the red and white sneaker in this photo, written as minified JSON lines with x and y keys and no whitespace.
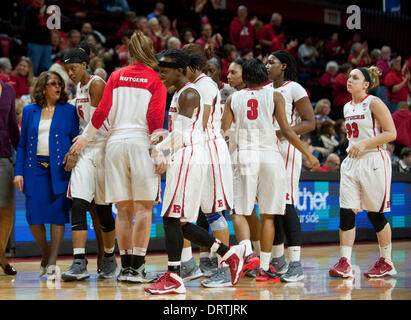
{"x":269,"y":275}
{"x":342,"y":269}
{"x":251,"y":262}
{"x":382,"y":268}
{"x":170,"y":282}
{"x":234,"y":258}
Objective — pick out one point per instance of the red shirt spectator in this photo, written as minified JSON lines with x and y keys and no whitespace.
{"x":340,"y":94}
{"x":241,"y":31}
{"x":207,"y":37}
{"x":22,"y":77}
{"x":396,"y":82}
{"x":333,"y":47}
{"x":402,"y":121}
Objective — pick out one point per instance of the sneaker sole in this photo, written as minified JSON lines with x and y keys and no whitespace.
{"x":170,"y":291}
{"x":139,"y":280}
{"x":217,"y":285}
{"x":386,"y":274}
{"x":293,"y":279}
{"x":74,"y":278}
{"x":335,"y":274}
{"x":196,"y":276}
{"x":267,"y":279}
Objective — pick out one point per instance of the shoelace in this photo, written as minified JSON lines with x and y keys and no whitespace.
{"x":378,"y":264}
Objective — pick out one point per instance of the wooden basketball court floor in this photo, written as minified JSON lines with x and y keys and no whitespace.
{"x":317,"y":285}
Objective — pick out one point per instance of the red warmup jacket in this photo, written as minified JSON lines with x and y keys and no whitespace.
{"x":242,"y":36}
{"x":402,"y":121}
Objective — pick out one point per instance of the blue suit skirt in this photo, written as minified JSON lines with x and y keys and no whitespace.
{"x":44,"y":207}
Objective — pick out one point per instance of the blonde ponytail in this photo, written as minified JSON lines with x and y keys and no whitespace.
{"x":141,"y":50}
{"x":374,"y":73}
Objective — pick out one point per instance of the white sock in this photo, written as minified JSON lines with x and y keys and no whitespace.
{"x":129,"y":251}
{"x":385,"y":252}
{"x":79,"y":251}
{"x":248,"y":248}
{"x":139,"y":251}
{"x":345,"y":252}
{"x":265,"y":260}
{"x":277,"y":251}
{"x":109,"y":250}
{"x":186,"y":254}
{"x":294,"y":253}
{"x":256,"y":246}
{"x":204,"y":254}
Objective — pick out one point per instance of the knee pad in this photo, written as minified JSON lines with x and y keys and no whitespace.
{"x":292,"y":226}
{"x":106,"y":218}
{"x":216,"y":221}
{"x":202,"y":220}
{"x":378,"y":220}
{"x":347,"y":219}
{"x":79,"y":214}
{"x":279,"y":235}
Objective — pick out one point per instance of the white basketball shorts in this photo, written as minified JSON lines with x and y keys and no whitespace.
{"x":130,"y":172}
{"x":366,"y":182}
{"x":259,"y":177}
{"x":184,"y":182}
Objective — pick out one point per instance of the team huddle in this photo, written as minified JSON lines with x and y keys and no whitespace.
{"x":226,"y":150}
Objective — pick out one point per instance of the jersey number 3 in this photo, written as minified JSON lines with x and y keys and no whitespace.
{"x":252,"y":112}
{"x":352,"y":130}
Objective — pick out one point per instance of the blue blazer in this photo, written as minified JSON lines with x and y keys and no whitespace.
{"x":64,"y":127}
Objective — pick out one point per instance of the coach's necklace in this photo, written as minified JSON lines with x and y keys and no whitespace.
{"x":50,"y":110}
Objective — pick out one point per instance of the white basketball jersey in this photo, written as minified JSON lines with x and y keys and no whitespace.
{"x":211,"y":96}
{"x":292,"y":92}
{"x":195,"y":133}
{"x":253,"y":111}
{"x":85,"y":110}
{"x":360,"y":122}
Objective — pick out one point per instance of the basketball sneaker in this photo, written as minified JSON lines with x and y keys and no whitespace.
{"x":140,"y":275}
{"x":170,"y":282}
{"x":251,"y":262}
{"x":342,"y":269}
{"x":77,"y":272}
{"x":190,"y":270}
{"x":221,"y":278}
{"x":294,"y":273}
{"x":109,"y":268}
{"x":208,"y":266}
{"x":382,"y":268}
{"x":123,"y":275}
{"x":234,"y":257}
{"x":269,"y":275}
{"x":279,"y":264}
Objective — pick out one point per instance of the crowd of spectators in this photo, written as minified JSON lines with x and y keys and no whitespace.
{"x":30,"y":47}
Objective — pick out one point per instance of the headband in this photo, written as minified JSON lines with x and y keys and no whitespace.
{"x":73,"y":60}
{"x":366,"y":75}
{"x":280,"y":56}
{"x":171,"y":65}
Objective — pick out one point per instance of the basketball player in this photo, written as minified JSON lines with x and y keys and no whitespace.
{"x":87,"y":177}
{"x":133,"y":103}
{"x":185,"y":176}
{"x":235,"y":79}
{"x":282,"y":71}
{"x":213,"y":70}
{"x":366,"y":172}
{"x":217,"y":193}
{"x":260,"y":173}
